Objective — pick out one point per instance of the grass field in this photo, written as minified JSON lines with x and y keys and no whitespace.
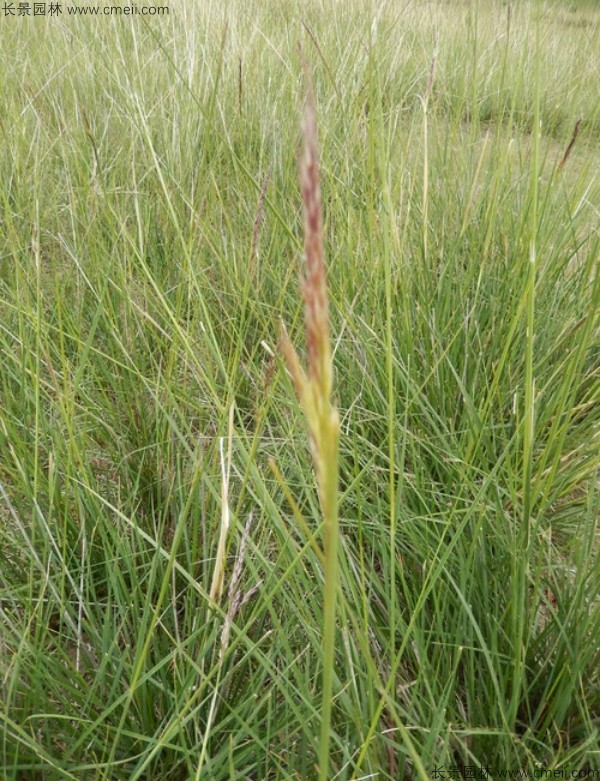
{"x":170,"y":607}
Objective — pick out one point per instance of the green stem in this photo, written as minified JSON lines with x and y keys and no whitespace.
{"x":331,"y":538}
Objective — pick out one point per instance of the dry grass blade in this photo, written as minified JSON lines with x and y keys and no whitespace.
{"x":235,"y":596}
{"x":569,"y":148}
{"x":216,"y":588}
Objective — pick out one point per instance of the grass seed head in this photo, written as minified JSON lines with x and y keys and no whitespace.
{"x":315,"y":284}
{"x":314,"y":385}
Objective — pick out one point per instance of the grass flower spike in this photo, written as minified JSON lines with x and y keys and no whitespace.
{"x":314,"y":390}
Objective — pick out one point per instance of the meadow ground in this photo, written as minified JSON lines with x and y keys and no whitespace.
{"x":151,"y":246}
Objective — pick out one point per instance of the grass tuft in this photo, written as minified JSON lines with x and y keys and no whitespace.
{"x":186,"y":590}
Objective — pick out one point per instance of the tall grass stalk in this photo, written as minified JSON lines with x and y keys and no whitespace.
{"x":314,"y":392}
{"x":523,"y":554}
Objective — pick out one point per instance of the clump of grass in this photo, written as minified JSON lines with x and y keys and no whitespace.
{"x":145,"y":265}
{"x":314,"y":394}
